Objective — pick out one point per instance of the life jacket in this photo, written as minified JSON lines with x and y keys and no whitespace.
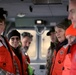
{"x":59,"y":60}
{"x":13,"y":57}
{"x":67,"y":63}
{"x":6,"y":61}
{"x":20,"y":55}
{"x":73,"y":60}
{"x":18,"y":64}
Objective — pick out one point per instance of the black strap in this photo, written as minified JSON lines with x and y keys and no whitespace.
{"x":60,"y":45}
{"x":68,"y":51}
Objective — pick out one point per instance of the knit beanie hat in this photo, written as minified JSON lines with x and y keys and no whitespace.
{"x":51,"y":30}
{"x":13,"y":33}
{"x":70,"y":31}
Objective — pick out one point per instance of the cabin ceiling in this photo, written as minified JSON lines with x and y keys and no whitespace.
{"x":30,"y":9}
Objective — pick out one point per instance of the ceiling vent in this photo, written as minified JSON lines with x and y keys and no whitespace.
{"x":47,"y":1}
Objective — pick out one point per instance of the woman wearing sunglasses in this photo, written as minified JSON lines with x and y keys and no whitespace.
{"x":14,"y":41}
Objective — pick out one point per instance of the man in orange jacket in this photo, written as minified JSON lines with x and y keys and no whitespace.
{"x":6,"y":56}
{"x":71,"y":36}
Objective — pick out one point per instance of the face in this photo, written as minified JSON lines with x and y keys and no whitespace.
{"x":26,"y":41}
{"x":60,"y":34}
{"x":72,"y":13}
{"x":14,"y":41}
{"x":70,"y":39}
{"x":53,"y":36}
{"x":2,"y":26}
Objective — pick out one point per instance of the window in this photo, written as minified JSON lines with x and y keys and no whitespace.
{"x":45,"y":43}
{"x":32,"y":49}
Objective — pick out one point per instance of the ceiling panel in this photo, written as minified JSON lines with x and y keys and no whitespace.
{"x":17,"y":6}
{"x":15,"y":1}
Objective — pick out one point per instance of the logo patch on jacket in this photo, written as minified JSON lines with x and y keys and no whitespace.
{"x":61,"y":52}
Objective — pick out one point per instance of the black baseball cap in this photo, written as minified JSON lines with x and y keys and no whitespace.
{"x":51,"y":30}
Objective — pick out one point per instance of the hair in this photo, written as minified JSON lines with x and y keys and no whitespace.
{"x":3,"y":15}
{"x":64,"y":24}
{"x":2,"y":18}
{"x":26,"y":34}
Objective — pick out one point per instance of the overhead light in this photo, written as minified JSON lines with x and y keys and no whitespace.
{"x":21,"y":15}
{"x":39,"y":22}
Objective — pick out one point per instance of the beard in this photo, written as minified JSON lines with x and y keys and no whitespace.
{"x":26,"y":48}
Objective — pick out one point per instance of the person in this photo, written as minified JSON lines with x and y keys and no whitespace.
{"x":71,"y":36}
{"x":50,"y":51}
{"x":67,"y":61}
{"x":26,"y":39}
{"x":7,"y":64}
{"x":61,"y":50}
{"x":72,"y":12}
{"x":14,"y":41}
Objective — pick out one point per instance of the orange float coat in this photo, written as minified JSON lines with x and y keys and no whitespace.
{"x":72,"y":31}
{"x":59,"y":57}
{"x":59,"y":61}
{"x":73,"y":60}
{"x":7,"y":58}
{"x":18,"y":64}
{"x":22,"y":60}
{"x":6,"y":62}
{"x":67,"y":65}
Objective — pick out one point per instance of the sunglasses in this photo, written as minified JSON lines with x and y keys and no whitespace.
{"x":15,"y":39}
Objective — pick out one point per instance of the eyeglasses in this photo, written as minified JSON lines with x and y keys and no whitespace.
{"x":15,"y":39}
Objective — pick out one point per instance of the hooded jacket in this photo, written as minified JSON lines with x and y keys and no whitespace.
{"x":67,"y":63}
{"x":59,"y":56}
{"x":73,"y":60}
{"x":71,"y":31}
{"x":6,"y":54}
